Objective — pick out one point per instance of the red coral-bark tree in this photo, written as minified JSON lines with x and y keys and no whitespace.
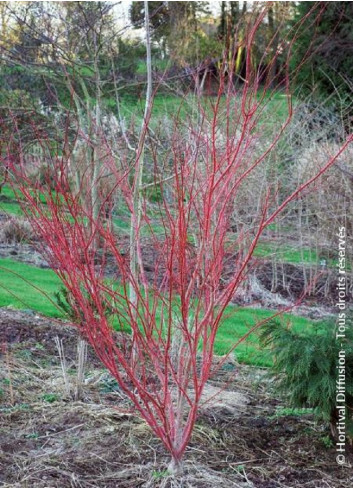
{"x":177,"y":307}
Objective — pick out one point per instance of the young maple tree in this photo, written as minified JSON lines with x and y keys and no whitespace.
{"x":171,"y":311}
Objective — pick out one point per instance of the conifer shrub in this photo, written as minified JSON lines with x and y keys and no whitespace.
{"x":305,"y":368}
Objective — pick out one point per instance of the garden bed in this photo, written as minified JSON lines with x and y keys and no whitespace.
{"x":49,"y":441}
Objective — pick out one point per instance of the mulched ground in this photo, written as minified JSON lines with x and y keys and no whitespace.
{"x":47,"y":440}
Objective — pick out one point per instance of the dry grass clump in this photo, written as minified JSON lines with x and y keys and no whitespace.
{"x":16,"y":230}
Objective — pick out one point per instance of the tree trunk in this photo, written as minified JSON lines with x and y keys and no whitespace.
{"x":136,"y":215}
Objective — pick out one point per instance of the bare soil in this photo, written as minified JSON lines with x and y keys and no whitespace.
{"x":48,"y":440}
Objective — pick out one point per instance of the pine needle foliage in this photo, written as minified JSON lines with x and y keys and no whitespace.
{"x":63,"y":300}
{"x":67,"y":304}
{"x":305,"y":366}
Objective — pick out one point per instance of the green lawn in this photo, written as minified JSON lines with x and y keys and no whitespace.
{"x":237,"y":322}
{"x":8,"y":204}
{"x":167,"y":105}
{"x":290,"y":254}
{"x":286,"y":254}
{"x":17,"y":289}
{"x":164,"y":105}
{"x":18,"y":282}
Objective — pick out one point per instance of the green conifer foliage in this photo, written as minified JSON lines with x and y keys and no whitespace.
{"x":305,"y":367}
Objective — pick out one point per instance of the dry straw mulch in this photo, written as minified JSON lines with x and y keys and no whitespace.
{"x":47,"y":440}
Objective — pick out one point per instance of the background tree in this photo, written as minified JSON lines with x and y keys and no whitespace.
{"x":329,"y":70}
{"x":173,"y":25}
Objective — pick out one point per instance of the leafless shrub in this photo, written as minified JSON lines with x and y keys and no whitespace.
{"x":331,"y":205}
